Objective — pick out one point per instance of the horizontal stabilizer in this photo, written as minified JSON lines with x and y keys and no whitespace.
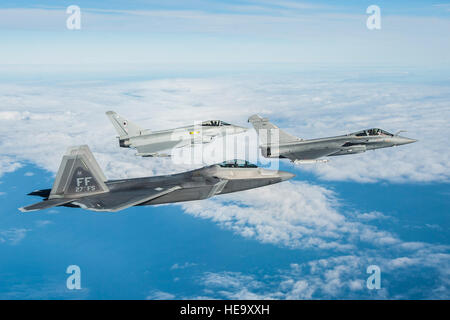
{"x":44,"y":193}
{"x":46,"y":204}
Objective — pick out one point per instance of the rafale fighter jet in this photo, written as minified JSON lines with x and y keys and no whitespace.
{"x":81,"y":183}
{"x":275,"y":143}
{"x":151,"y":143}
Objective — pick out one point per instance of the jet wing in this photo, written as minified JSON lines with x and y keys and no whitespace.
{"x":113,"y":202}
{"x":46,"y":204}
{"x":311,"y":154}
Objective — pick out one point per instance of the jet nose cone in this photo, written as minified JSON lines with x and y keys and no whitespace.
{"x":284,"y":175}
{"x":404,"y":140}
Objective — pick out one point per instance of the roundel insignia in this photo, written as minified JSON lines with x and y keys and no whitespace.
{"x":125,"y":123}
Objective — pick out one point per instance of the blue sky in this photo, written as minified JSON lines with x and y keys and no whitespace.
{"x":418,"y":6}
{"x":313,"y":68}
{"x":213,"y":32}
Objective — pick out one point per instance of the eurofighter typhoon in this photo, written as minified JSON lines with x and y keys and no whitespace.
{"x":275,"y":143}
{"x":81,"y":183}
{"x":151,"y":143}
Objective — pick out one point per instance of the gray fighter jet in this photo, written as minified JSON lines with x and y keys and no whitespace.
{"x":275,"y":143}
{"x":150,"y":143}
{"x":81,"y":183}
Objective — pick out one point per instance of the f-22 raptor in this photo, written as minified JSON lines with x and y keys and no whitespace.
{"x":152,"y":143}
{"x":275,"y":143}
{"x":81,"y":183}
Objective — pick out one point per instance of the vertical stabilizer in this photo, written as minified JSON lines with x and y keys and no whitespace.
{"x":124,"y":128}
{"x":269,"y":133}
{"x":79,"y":175}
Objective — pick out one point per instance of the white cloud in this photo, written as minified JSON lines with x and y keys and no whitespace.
{"x":374,"y":215}
{"x":160,"y":295}
{"x":228,"y":280}
{"x":13,"y":236}
{"x":185,"y":265}
{"x":293,"y":214}
{"x":43,"y":223}
{"x":325,"y":278}
{"x":342,"y":277}
{"x":402,"y":262}
{"x":232,"y":285}
{"x":8,"y":164}
{"x":36,"y":127}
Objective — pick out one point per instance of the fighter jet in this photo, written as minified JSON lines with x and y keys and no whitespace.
{"x":81,"y":183}
{"x":150,"y":143}
{"x":275,"y":143}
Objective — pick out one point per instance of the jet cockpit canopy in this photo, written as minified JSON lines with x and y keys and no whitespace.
{"x":237,"y":163}
{"x":214,"y":123}
{"x":372,"y":132}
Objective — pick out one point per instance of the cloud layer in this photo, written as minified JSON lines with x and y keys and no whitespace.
{"x":38,"y":122}
{"x":293,"y":214}
{"x":342,"y":277}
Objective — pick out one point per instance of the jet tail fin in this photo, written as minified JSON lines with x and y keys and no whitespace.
{"x":79,"y":175}
{"x":267,"y":131}
{"x":124,"y":127}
